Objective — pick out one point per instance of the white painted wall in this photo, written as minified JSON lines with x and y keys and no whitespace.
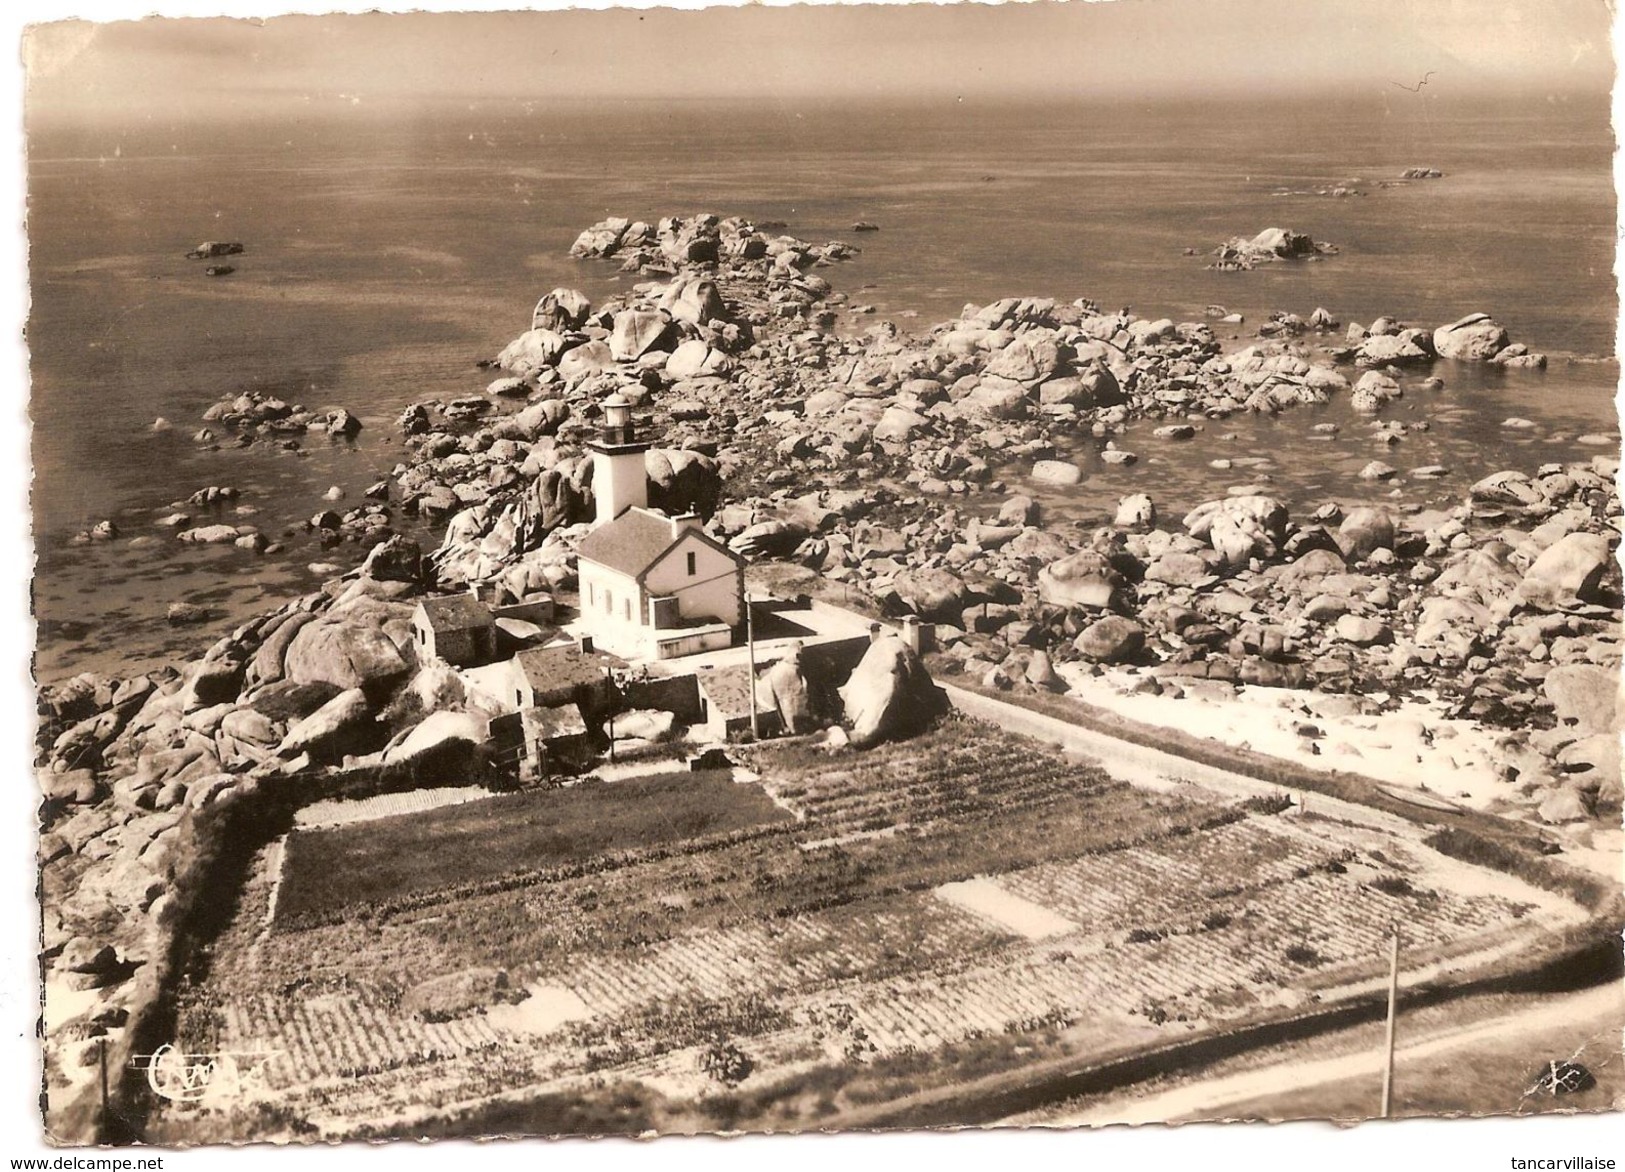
{"x":710,"y":591}
{"x":611,"y":609}
{"x":619,"y":482}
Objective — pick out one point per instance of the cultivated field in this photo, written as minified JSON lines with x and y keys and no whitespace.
{"x":841,"y":932}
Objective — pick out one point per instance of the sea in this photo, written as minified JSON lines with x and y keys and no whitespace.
{"x":389,"y":249}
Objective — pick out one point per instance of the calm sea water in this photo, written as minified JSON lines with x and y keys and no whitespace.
{"x":387,"y":252}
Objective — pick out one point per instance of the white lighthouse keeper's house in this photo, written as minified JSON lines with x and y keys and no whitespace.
{"x":652,"y":586}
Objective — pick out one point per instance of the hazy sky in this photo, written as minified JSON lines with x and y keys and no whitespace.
{"x":1133,"y":47}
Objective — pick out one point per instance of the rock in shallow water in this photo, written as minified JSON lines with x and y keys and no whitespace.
{"x":1057,"y":472}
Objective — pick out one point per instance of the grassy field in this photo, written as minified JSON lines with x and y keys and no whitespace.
{"x":452,"y":847}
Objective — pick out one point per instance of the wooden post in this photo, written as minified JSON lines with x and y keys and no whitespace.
{"x":1393,"y":1011}
{"x":101,"y":1054}
{"x":609,"y":678}
{"x":750,"y":651}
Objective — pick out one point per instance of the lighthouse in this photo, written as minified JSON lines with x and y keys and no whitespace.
{"x":619,"y":479}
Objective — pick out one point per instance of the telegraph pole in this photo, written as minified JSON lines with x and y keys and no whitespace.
{"x":750,"y":652}
{"x":1393,"y":1011}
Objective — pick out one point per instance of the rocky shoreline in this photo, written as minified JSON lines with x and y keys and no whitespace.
{"x":874,"y":462}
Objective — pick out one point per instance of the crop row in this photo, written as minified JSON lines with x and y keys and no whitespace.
{"x":344,"y":1035}
{"x":914,"y":789}
{"x":796,"y":953}
{"x":1178,"y":880}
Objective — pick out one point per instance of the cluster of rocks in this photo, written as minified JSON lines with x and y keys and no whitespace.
{"x":659,"y":249}
{"x":1421,"y":173}
{"x":1478,"y":605}
{"x":1282,"y":324}
{"x":1474,"y":338}
{"x":104,"y":530}
{"x":508,"y":479}
{"x":256,"y":415}
{"x":367,"y":524}
{"x":861,"y":457}
{"x":1241,"y":253}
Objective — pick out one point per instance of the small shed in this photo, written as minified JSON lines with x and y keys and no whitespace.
{"x":457,"y":628}
{"x":726,"y":696}
{"x":557,"y":740}
{"x":548,"y":677}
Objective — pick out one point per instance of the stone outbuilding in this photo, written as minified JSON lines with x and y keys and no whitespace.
{"x":456,"y":628}
{"x":549,"y":677}
{"x":556,"y":740}
{"x":726,"y":696}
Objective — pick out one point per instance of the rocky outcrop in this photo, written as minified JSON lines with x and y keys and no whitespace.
{"x":438,"y":735}
{"x":1571,"y":569}
{"x":345,"y":724}
{"x":1475,"y":338}
{"x":1243,"y":252}
{"x":1113,"y":639}
{"x":1085,"y":579}
{"x":889,"y":694}
{"x":1240,"y":527}
{"x":1584,"y":697}
{"x":784,"y":689}
{"x":358,"y":649}
{"x":561,"y":310}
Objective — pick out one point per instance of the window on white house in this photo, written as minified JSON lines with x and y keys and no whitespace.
{"x":628,"y":610}
{"x":609,"y":602}
{"x":692,"y":568}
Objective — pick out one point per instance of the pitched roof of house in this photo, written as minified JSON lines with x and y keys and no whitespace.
{"x":633,"y":542}
{"x":456,"y":612}
{"x":552,"y":670}
{"x":629,"y":543}
{"x":547,"y":723}
{"x":728,"y":689}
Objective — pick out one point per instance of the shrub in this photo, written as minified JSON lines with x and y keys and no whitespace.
{"x":1304,"y":955}
{"x":1586,"y":890}
{"x":1276,"y":803}
{"x":1398,"y":885}
{"x":727,"y":1063}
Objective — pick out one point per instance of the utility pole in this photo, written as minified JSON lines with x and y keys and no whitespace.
{"x":1393,"y":1012}
{"x":750,"y":652}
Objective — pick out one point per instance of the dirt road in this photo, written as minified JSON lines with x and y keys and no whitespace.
{"x":1593,"y":1010}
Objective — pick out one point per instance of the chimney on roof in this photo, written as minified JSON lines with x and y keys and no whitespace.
{"x":683,"y":522}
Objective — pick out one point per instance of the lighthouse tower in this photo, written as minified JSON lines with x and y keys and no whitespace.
{"x":619,"y":480}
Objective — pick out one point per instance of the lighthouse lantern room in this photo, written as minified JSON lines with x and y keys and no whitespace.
{"x":619,"y":479}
